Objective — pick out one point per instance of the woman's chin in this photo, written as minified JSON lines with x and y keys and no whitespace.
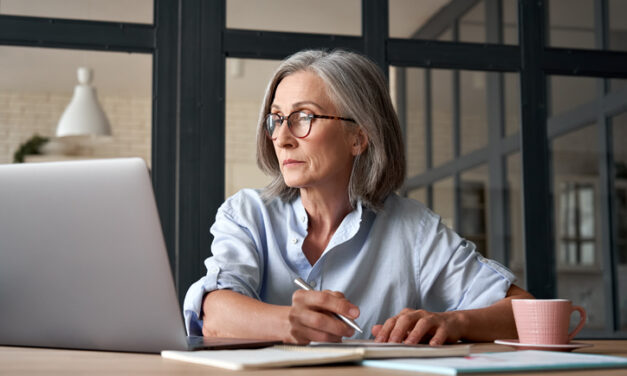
{"x":295,"y":183}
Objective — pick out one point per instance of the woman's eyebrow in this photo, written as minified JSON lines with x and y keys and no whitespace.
{"x":297,"y":105}
{"x":307,"y":103}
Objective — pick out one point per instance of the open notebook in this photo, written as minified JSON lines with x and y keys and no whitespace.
{"x":286,"y":356}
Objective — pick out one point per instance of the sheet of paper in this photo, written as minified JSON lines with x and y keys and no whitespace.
{"x":271,"y":357}
{"x":510,"y":361}
{"x":378,"y":350}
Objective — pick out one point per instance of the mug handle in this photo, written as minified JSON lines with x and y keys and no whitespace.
{"x":582,"y":321}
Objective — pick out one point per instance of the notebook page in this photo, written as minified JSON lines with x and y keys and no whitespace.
{"x":271,"y":357}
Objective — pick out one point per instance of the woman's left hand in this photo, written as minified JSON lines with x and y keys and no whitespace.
{"x":414,"y":326}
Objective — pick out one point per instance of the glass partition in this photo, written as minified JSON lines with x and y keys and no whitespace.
{"x":419,"y":194}
{"x":575,"y":166}
{"x":568,"y":92}
{"x":37,"y":84}
{"x":511,"y":88}
{"x":472,"y":25}
{"x":619,"y":133}
{"x":571,"y":23}
{"x":246,"y":81}
{"x":300,"y":16}
{"x":444,"y":201}
{"x":510,"y":21}
{"x":137,"y":11}
{"x":442,"y":115}
{"x":514,"y":228}
{"x":618,"y":25}
{"x":474,"y":198}
{"x":415,"y":121}
{"x":473,"y":111}
{"x":407,"y":17}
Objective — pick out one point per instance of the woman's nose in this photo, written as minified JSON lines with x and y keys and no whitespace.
{"x":282,"y":135}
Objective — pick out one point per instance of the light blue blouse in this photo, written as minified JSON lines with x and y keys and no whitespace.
{"x":402,"y":256}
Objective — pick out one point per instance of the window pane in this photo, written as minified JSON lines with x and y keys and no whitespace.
{"x":444,"y":201}
{"x":323,"y":16}
{"x":442,"y":115}
{"x":37,"y":84}
{"x":571,"y":23}
{"x":619,"y":131}
{"x":515,"y":251}
{"x":570,"y":92}
{"x":512,"y":103}
{"x":138,"y":11}
{"x":446,"y":36}
{"x":415,"y":120}
{"x":474,"y":122}
{"x":510,"y":21}
{"x":617,"y":84}
{"x":618,"y":24}
{"x":472,"y":24}
{"x":419,"y":194}
{"x":575,"y":165}
{"x":406,"y":17}
{"x":587,"y":253}
{"x":586,"y":201}
{"x":474,"y":207}
{"x":246,"y":80}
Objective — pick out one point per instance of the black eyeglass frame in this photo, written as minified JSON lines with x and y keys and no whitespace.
{"x":309,"y":117}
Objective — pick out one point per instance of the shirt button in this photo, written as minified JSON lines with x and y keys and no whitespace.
{"x":304,"y":218}
{"x":295,"y":240}
{"x":312,"y":283}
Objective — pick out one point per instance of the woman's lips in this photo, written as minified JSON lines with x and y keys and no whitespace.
{"x":288,"y":162}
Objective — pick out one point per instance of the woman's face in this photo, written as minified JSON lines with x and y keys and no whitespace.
{"x":325,"y":157}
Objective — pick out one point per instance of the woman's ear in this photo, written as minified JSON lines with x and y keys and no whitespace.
{"x":360,"y":142}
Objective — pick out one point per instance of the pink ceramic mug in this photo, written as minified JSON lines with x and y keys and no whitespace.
{"x":545,"y":321}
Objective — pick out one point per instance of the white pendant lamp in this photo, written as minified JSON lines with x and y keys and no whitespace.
{"x":84,"y":115}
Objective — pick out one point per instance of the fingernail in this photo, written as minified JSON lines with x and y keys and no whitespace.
{"x":354,"y":312}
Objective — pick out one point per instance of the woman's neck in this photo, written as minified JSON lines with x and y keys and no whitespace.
{"x":326,"y":210}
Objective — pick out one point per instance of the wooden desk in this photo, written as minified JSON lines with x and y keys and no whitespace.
{"x":35,"y":361}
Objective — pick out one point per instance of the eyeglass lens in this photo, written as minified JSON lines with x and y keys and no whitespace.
{"x":297,"y":122}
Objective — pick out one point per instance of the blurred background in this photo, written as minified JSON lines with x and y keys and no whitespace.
{"x":181,"y":86}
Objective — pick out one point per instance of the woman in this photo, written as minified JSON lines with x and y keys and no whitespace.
{"x":330,"y":138}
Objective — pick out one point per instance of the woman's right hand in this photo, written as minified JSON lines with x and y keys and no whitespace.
{"x":311,"y":317}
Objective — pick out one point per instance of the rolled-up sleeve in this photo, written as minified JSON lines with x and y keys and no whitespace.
{"x":236,"y":263}
{"x":455,"y":276}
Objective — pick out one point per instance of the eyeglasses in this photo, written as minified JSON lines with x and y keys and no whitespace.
{"x":298,"y":122}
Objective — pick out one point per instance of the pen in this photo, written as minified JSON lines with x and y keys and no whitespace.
{"x":305,"y":286}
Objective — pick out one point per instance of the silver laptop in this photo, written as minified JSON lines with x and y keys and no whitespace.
{"x":83,"y":263}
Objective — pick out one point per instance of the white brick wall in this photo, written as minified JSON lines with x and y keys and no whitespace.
{"x":241,"y":164}
{"x":24,"y":114}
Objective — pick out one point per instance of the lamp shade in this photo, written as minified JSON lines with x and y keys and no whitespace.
{"x":84,"y":115}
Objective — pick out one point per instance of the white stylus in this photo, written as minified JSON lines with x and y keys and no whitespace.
{"x":305,"y":286}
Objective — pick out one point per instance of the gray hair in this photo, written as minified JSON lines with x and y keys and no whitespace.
{"x":359,"y":90}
